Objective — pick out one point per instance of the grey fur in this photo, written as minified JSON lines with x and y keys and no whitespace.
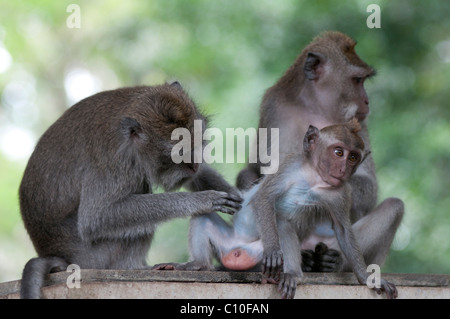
{"x":278,"y":215}
{"x":318,"y":90}
{"x":86,"y":196}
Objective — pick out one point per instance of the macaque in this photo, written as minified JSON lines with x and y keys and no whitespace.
{"x":325,"y":86}
{"x":86,"y":196}
{"x":309,"y":194}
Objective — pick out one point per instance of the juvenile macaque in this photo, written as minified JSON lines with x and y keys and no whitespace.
{"x":310,"y":193}
{"x":86,"y":194}
{"x":325,"y":86}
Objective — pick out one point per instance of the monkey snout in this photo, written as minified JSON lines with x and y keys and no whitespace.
{"x":365,"y":98}
{"x":341,"y":171}
{"x":363,"y":111}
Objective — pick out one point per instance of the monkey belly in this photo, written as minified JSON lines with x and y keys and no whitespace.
{"x":322,"y":233}
{"x":239,"y":259}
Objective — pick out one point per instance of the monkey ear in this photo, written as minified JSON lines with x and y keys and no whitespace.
{"x":177,"y":85}
{"x":313,"y":65}
{"x":311,"y":136}
{"x":130,"y":128}
{"x":366,"y":153}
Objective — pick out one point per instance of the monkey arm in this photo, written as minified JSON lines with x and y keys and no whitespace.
{"x":364,"y":193}
{"x":339,"y":210}
{"x":133,"y":214}
{"x":107,"y":212}
{"x":292,"y":270}
{"x":364,"y":183}
{"x":350,"y":248}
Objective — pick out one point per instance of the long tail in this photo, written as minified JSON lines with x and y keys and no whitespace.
{"x":34,"y":273}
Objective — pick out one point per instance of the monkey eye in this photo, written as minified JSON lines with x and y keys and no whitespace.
{"x":353,"y":157}
{"x":339,"y":152}
{"x":358,"y":80}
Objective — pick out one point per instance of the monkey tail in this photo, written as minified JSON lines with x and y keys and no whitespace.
{"x":34,"y":273}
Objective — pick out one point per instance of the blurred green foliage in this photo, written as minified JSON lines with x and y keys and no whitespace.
{"x":226,"y":53}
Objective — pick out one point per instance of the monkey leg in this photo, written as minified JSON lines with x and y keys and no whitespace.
{"x":208,"y":236}
{"x":375,"y":232}
{"x":211,"y":236}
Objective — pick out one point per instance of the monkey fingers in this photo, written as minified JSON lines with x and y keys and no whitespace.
{"x":287,"y":285}
{"x":266,"y":280}
{"x":307,"y":260}
{"x":329,"y":262}
{"x":166,"y":266}
{"x":325,"y":259}
{"x":321,"y":248}
{"x":236,"y":197}
{"x":190,"y":265}
{"x":388,"y":288}
{"x":227,"y":203}
{"x":272,"y":265}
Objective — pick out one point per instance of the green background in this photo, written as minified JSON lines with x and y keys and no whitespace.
{"x":226,"y":53}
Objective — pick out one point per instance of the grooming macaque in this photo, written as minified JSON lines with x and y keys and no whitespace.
{"x":86,"y":194}
{"x":309,"y":194}
{"x":325,"y":86}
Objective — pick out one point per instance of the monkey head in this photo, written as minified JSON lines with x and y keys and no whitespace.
{"x":335,"y":72}
{"x":335,"y":151}
{"x":147,"y":130}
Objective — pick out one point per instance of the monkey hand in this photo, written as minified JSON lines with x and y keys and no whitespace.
{"x":218,"y":201}
{"x":288,"y":285}
{"x":308,"y":260}
{"x":233,"y":191}
{"x":388,"y":288}
{"x":326,"y":259}
{"x":322,"y":259}
{"x":272,"y":266}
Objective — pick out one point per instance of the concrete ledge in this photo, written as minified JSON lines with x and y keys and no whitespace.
{"x":144,"y":284}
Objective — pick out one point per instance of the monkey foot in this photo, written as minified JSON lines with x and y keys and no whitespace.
{"x":190,"y":266}
{"x":166,"y":266}
{"x":267,"y":280}
{"x":238,"y":259}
